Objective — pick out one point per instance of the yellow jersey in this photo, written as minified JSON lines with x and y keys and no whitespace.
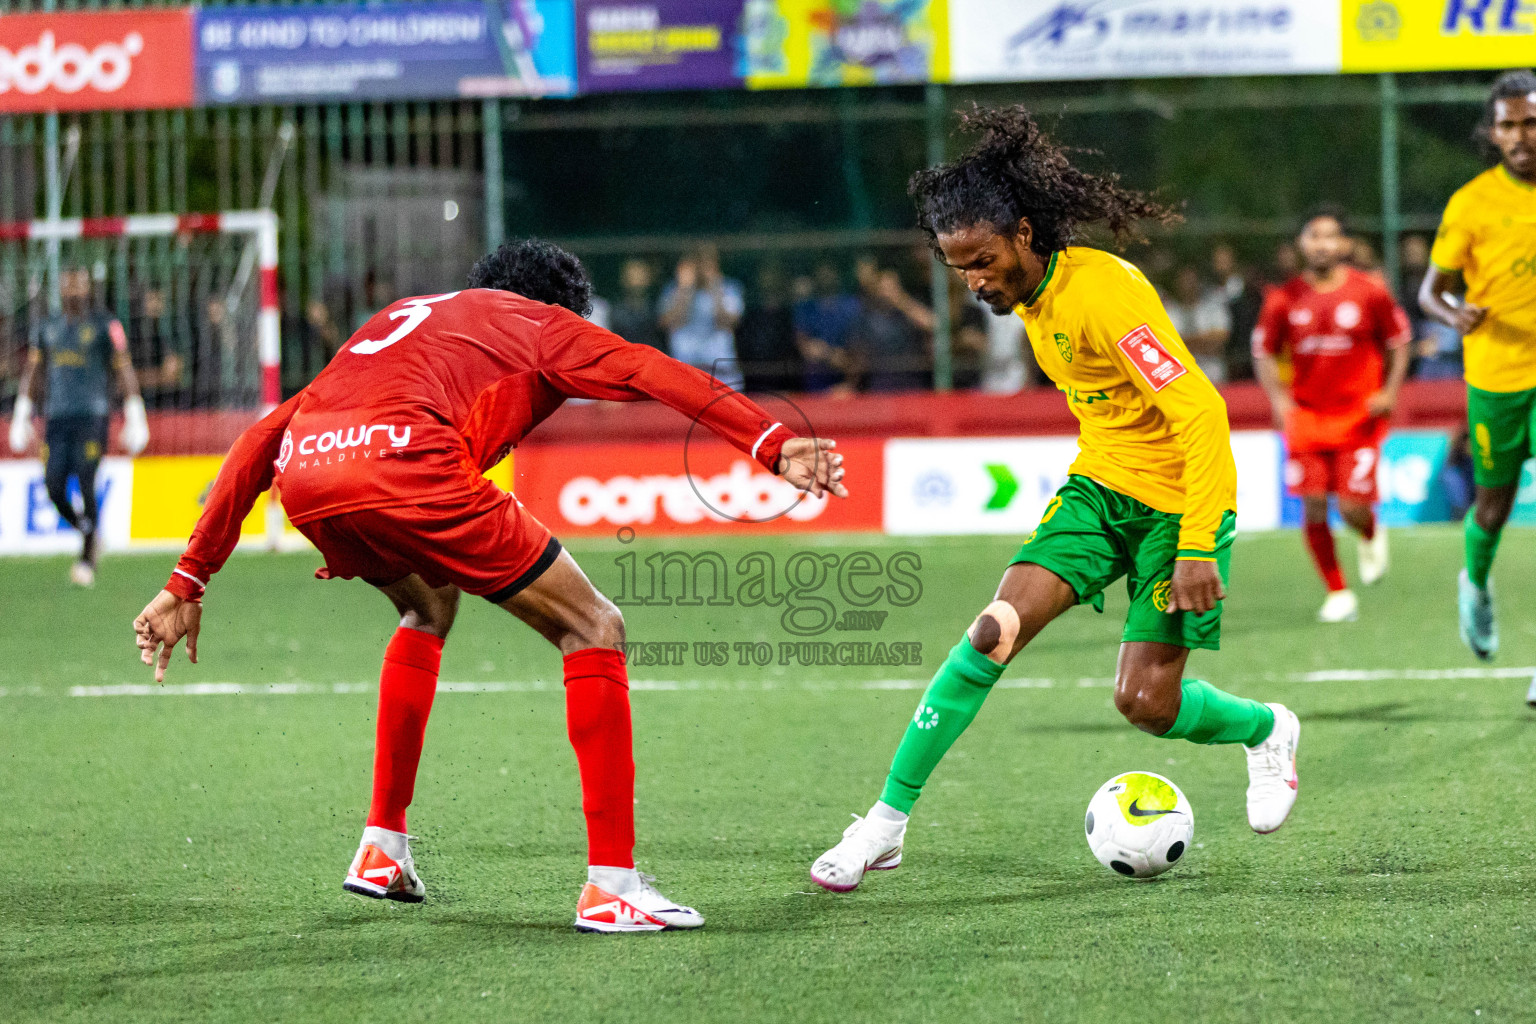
{"x":1153,"y":427}
{"x":1488,"y":233}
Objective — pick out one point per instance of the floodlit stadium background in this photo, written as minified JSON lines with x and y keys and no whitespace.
{"x":395,"y":144}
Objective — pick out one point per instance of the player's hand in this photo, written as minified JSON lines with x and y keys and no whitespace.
{"x":1282,"y":406}
{"x":1196,"y":586}
{"x":160,"y":627}
{"x":135,"y":435}
{"x":1382,"y":403}
{"x":21,"y":425}
{"x":811,"y":465}
{"x":1468,"y":318}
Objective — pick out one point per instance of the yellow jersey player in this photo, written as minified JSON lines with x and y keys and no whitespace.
{"x":1150,"y":497}
{"x":1486,"y":251}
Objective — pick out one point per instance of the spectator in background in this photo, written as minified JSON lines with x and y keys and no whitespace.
{"x":1362,"y":256}
{"x":324,"y":334}
{"x":1200,"y":316}
{"x":766,"y":338}
{"x":152,"y":348}
{"x":888,"y":344}
{"x":1287,"y":262}
{"x":633,"y":316}
{"x":822,"y":324}
{"x":699,"y":311}
{"x":1243,"y":303}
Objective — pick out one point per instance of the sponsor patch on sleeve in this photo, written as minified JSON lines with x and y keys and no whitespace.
{"x":1150,"y":358}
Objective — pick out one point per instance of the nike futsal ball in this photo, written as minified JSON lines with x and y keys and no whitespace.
{"x":1139,"y":824}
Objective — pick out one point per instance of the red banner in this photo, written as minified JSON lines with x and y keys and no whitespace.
{"x":704,"y":487}
{"x":96,"y":60}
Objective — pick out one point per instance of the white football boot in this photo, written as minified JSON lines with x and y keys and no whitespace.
{"x":383,"y":868}
{"x":1272,"y":781}
{"x":869,"y":844}
{"x":1530,"y":695}
{"x":624,"y":900}
{"x":1474,"y":608}
{"x":1340,"y":606}
{"x":1374,"y":559}
{"x":82,"y":574}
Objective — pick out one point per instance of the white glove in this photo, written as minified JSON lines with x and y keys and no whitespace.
{"x":135,"y":435}
{"x":21,"y":425}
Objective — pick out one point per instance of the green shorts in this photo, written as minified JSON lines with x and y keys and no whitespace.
{"x":1091,"y":536}
{"x":1502,"y":424}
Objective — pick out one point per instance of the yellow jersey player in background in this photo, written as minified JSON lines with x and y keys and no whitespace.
{"x":1486,"y":251}
{"x":1150,"y":497}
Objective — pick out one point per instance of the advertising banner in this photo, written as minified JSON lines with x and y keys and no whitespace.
{"x":417,"y":49}
{"x":96,"y":60}
{"x":1409,"y":479}
{"x":705,"y":486}
{"x":167,"y":498}
{"x":663,"y":44}
{"x":30,"y":525}
{"x":1022,"y":40}
{"x":787,"y":44}
{"x":1002,"y":485}
{"x":1433,"y":35}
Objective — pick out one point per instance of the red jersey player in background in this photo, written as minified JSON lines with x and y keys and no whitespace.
{"x":379,"y":462}
{"x":1348,"y":344}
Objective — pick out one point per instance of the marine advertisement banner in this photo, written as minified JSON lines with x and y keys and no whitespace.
{"x":1024,"y":40}
{"x":623,"y":45}
{"x":1435,"y":35}
{"x":788,"y":44}
{"x":407,"y":50}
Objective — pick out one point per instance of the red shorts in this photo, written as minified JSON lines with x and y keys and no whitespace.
{"x":485,"y":543}
{"x":1348,"y":472}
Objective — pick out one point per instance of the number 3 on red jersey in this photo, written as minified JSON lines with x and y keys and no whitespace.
{"x":414,"y":311}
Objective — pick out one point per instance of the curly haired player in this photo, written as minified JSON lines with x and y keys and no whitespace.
{"x":379,"y":463}
{"x":1150,"y":496}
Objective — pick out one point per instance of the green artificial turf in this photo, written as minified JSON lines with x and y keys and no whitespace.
{"x":179,"y":857}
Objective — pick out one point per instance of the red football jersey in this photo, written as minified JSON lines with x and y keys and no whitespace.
{"x":433,"y":391}
{"x":1337,"y":342}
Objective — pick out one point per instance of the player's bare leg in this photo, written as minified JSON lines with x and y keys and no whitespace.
{"x":568,"y":611}
{"x":1153,"y":694}
{"x":1481,"y":531}
{"x":1340,"y":605}
{"x":1027,"y":599}
{"x":383,"y":867}
{"x":1373,"y":557}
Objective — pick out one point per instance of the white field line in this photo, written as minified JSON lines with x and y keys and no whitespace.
{"x":669,"y":685}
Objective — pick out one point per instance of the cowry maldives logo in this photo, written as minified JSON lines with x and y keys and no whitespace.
{"x":1145,"y":798}
{"x":925,"y":717}
{"x":286,"y":451}
{"x":1064,"y":346}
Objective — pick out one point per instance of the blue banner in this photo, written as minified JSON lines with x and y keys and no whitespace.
{"x":433,"y":49}
{"x":1416,"y":479}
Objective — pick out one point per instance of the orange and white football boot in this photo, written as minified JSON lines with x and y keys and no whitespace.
{"x":624,"y":900}
{"x":383,"y":868}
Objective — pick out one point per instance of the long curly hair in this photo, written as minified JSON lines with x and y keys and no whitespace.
{"x":1016,"y":171}
{"x":538,"y":270}
{"x":1515,"y":84}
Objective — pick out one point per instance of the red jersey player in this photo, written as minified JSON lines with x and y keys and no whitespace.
{"x":379,"y":462}
{"x":1348,"y":343}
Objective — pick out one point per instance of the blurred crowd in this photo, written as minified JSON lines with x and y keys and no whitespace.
{"x":840,"y":325}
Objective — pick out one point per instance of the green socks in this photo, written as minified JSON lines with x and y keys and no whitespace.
{"x":949,"y":705}
{"x":1481,"y":547}
{"x":1209,"y":715}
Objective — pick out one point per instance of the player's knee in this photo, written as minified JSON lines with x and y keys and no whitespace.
{"x":995,"y":631}
{"x":434,"y":615}
{"x":601,"y":626}
{"x":1144,"y":708}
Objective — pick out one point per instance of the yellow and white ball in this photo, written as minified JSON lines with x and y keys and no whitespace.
{"x":1139,"y":824}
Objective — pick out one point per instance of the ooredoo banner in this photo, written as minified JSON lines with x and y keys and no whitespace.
{"x":1021,"y":40}
{"x":96,"y":60}
{"x":702,"y":486}
{"x":661,"y":44}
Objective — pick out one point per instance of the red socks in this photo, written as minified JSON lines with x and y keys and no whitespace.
{"x":1320,"y":541}
{"x":597,"y":720}
{"x":406,"y":688}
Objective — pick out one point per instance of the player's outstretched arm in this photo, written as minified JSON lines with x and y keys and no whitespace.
{"x":161,"y":626}
{"x":811,"y":465}
{"x":1440,"y":283}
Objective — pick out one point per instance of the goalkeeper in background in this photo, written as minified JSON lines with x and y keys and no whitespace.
{"x":82,"y":346}
{"x":1149,"y":498}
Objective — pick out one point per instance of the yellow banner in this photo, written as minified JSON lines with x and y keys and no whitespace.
{"x":792,"y":44}
{"x":1438,"y":35}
